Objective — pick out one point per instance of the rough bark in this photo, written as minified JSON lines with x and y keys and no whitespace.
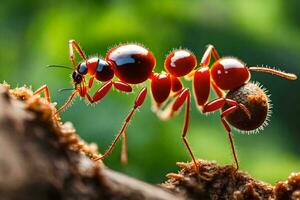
{"x":43,"y":158}
{"x":223,"y":182}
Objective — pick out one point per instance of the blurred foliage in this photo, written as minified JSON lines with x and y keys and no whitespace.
{"x":35,"y":33}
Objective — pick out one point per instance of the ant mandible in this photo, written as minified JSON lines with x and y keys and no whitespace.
{"x":245,"y":106}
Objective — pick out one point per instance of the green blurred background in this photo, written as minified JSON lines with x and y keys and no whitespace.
{"x":35,"y":33}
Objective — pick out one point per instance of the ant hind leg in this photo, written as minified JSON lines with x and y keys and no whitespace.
{"x":218,"y":104}
{"x":228,"y":130}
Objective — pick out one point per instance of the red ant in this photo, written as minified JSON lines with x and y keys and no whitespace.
{"x":133,"y":64}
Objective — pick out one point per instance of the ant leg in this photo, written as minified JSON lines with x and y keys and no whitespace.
{"x":202,"y":83}
{"x":122,"y":86}
{"x":185,"y":96}
{"x":201,"y":86}
{"x":124,"y":159}
{"x":167,"y":112}
{"x":205,"y":60}
{"x":172,"y":108}
{"x":138,"y":102}
{"x":91,"y":81}
{"x":207,"y":55}
{"x":74,"y":45}
{"x":67,"y":102}
{"x":89,"y":98}
{"x":218,"y":104}
{"x":228,"y":130}
{"x":101,"y":92}
{"x":45,"y":89}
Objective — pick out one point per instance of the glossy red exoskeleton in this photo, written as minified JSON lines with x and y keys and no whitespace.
{"x":129,"y":64}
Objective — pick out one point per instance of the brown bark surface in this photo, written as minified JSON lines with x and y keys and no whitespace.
{"x":223,"y":182}
{"x":42,"y":158}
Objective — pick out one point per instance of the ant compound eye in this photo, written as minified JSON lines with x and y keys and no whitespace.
{"x":82,"y":68}
{"x":77,"y":78}
{"x":180,"y":62}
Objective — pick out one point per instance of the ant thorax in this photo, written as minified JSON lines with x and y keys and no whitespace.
{"x":255,"y":99}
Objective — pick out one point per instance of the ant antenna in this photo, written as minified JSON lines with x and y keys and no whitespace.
{"x":65,"y":89}
{"x":60,"y":66}
{"x":275,"y":72}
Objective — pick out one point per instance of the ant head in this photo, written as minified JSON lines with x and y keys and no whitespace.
{"x":79,"y":73}
{"x":255,"y":99}
{"x":77,"y":77}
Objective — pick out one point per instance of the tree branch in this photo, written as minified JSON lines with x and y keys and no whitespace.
{"x":43,"y":158}
{"x":38,"y":161}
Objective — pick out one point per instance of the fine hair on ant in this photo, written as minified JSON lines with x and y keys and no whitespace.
{"x":243,"y":104}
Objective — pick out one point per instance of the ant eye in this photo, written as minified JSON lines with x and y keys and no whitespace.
{"x":82,"y":68}
{"x":77,"y":78}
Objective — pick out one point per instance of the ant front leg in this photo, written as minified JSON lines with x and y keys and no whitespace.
{"x":73,"y":44}
{"x":228,"y":130}
{"x":67,"y":102}
{"x":100,"y":93}
{"x":218,"y":104}
{"x":44,"y":89}
{"x":138,"y":103}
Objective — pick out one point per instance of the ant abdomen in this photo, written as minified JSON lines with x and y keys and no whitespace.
{"x":255,"y":99}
